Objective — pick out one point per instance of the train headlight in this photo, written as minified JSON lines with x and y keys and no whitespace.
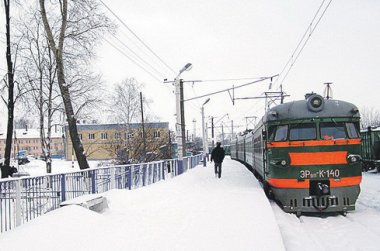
{"x":353,"y":158}
{"x":324,"y":188}
{"x":283,"y":162}
{"x":315,"y":103}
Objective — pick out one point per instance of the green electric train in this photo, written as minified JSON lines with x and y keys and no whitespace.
{"x":371,"y":148}
{"x":306,"y":153}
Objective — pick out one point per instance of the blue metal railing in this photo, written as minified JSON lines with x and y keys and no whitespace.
{"x":23,"y":199}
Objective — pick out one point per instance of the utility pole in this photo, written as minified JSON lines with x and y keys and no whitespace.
{"x":170,"y":146}
{"x":204,"y":132}
{"x":183,"y":130}
{"x":232,"y":129}
{"x":212,"y":132}
{"x":143,"y":127}
{"x":194,"y":129}
{"x":222,"y":136}
{"x":180,"y":113}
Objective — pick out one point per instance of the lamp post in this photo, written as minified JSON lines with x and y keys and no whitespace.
{"x":180,"y":112}
{"x":203,"y":132}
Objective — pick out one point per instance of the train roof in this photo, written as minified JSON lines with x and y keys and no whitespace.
{"x":312,"y":107}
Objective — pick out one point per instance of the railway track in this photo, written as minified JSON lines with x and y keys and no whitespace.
{"x":358,"y":230}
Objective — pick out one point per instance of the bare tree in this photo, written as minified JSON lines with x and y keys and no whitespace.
{"x":81,"y":26}
{"x":125,"y":108}
{"x":369,"y":117}
{"x":156,"y":147}
{"x":5,"y":170}
{"x":39,"y":74}
{"x":125,"y":101}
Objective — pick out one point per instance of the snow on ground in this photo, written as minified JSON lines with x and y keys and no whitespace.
{"x":357,"y":231}
{"x":196,"y":211}
{"x":38,"y":167}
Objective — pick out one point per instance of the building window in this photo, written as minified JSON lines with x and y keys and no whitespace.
{"x":156,"y":134}
{"x":80,"y":136}
{"x":103,"y":135}
{"x":91,"y":136}
{"x":117,"y":135}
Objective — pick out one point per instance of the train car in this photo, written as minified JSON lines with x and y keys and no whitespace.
{"x":307,"y":154}
{"x":371,"y":148}
{"x":227,"y":149}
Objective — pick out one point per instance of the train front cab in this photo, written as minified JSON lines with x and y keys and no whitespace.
{"x":313,"y":165}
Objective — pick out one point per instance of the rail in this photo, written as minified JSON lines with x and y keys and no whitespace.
{"x":23,"y":199}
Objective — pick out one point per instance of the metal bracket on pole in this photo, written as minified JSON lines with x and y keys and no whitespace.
{"x":232,"y":97}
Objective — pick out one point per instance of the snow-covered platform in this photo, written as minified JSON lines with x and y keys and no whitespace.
{"x":194,"y":211}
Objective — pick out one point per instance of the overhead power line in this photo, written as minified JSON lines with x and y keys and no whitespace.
{"x":138,"y":57}
{"x":131,"y":59}
{"x":302,"y":43}
{"x":137,"y":37}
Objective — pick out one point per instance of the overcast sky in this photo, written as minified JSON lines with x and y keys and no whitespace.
{"x":226,"y":39}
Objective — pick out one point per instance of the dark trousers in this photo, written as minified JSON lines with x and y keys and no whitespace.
{"x":218,"y":169}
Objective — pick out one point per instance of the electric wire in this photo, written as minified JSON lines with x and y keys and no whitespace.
{"x":298,"y":51}
{"x":138,"y":57}
{"x":137,"y":37}
{"x":131,"y":59}
{"x":141,"y":50}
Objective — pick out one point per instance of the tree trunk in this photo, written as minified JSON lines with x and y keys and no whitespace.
{"x":58,"y":53}
{"x":5,"y":171}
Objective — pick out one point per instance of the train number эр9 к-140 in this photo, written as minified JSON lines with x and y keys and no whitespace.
{"x":307,"y":154}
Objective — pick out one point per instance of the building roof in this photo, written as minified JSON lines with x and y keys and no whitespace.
{"x":121,"y":126}
{"x":30,"y":134}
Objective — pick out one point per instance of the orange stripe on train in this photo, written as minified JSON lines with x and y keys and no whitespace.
{"x":318,"y":158}
{"x":314,"y":143}
{"x":294,"y":183}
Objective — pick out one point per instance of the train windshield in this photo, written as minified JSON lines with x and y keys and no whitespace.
{"x":281,"y":133}
{"x":352,"y":130}
{"x":333,"y":130}
{"x":304,"y":131}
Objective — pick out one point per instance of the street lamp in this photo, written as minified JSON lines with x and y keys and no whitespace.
{"x":204,"y":132}
{"x":180,"y":111}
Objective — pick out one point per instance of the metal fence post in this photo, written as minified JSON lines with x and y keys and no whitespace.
{"x":143,"y":174}
{"x":18,"y":202}
{"x":129,"y":177}
{"x":93,"y":182}
{"x":163,"y":169}
{"x":63,"y":187}
{"x":180,"y":167}
{"x":113,"y":178}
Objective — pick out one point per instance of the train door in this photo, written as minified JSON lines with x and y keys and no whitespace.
{"x":244,"y":153}
{"x":264,"y":136}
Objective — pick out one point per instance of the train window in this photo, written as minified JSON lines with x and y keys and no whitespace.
{"x":333,"y":130}
{"x":305,"y":131}
{"x":352,"y":130}
{"x":271,"y":131}
{"x":281,"y":133}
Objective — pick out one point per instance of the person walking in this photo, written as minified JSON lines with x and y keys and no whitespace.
{"x":217,"y":155}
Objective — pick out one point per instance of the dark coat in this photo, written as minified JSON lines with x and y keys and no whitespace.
{"x":217,"y":154}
